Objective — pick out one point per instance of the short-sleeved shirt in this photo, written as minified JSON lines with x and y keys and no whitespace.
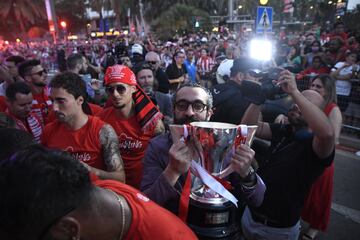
{"x":148,"y":220}
{"x":132,"y":141}
{"x":288,"y":170}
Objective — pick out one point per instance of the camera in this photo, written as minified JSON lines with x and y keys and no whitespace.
{"x":268,"y":88}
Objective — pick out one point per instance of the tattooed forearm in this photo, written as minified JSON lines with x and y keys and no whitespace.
{"x":110,"y":146}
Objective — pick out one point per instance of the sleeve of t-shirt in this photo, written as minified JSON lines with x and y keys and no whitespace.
{"x":153,"y":183}
{"x":337,"y":66}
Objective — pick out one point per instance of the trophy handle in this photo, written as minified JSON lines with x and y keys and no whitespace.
{"x":226,"y":172}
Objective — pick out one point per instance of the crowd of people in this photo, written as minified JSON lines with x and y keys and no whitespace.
{"x":86,"y":126}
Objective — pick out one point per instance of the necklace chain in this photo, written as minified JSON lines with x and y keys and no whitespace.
{"x":122,"y":208}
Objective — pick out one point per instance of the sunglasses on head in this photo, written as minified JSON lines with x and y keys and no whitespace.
{"x":40,"y":73}
{"x":121,"y":89}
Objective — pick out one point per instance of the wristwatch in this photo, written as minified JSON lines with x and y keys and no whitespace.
{"x":250,"y":179}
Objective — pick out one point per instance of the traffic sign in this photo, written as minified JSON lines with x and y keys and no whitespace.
{"x":264,"y":19}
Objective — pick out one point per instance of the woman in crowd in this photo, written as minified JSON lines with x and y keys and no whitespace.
{"x":317,"y":206}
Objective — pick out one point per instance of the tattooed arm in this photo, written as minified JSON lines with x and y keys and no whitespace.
{"x":111,"y":155}
{"x":160,"y":128}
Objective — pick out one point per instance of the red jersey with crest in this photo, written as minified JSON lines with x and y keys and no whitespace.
{"x":41,"y":105}
{"x":132,"y":141}
{"x":148,"y":220}
{"x":83,"y":144}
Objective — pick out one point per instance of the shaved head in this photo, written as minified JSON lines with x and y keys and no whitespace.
{"x":152,"y":56}
{"x":314,"y":97}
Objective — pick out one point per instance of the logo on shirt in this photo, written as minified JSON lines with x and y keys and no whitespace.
{"x":142,"y":197}
{"x":126,"y":142}
{"x":80,"y":156}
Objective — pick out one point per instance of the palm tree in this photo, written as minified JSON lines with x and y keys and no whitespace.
{"x":23,"y":12}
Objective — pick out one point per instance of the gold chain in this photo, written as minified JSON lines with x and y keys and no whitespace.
{"x":122,"y":208}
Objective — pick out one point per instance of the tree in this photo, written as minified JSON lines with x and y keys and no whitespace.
{"x":178,"y":18}
{"x":21,"y":14}
{"x":73,"y":12}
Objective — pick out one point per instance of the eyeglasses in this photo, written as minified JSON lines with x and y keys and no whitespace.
{"x":152,"y":62}
{"x":121,"y":89}
{"x":183,"y":105}
{"x":40,"y":73}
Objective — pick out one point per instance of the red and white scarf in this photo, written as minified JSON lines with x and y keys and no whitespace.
{"x":32,"y":125}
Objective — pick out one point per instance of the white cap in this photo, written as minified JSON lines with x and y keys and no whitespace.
{"x":137,"y":48}
{"x":224,"y":67}
{"x":204,"y":39}
{"x":224,"y":70}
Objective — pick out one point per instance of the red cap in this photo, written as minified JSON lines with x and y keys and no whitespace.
{"x":119,"y":74}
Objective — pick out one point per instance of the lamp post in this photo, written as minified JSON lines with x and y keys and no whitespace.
{"x":63,"y":25}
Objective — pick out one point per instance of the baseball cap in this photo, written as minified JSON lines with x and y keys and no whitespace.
{"x":137,"y":48}
{"x":242,"y":64}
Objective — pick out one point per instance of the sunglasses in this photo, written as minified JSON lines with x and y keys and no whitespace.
{"x":183,"y":105}
{"x":121,"y":89}
{"x":40,"y":73}
{"x":152,"y":62}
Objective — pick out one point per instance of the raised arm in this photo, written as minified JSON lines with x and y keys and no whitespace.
{"x":323,"y":143}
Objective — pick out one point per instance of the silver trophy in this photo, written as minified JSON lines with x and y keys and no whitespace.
{"x":213,"y":144}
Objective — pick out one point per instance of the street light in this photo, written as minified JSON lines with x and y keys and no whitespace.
{"x":63,"y":24}
{"x":263,"y":2}
{"x":240,"y":7}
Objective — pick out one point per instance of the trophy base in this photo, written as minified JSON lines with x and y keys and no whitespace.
{"x":214,"y":221}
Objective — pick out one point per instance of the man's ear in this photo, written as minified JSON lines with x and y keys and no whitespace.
{"x":209,"y":113}
{"x":27,"y":79}
{"x":66,"y":228}
{"x":133,"y":89}
{"x":80,"y":100}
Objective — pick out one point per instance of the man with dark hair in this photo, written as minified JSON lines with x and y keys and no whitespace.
{"x":35,"y":76}
{"x":176,"y":71}
{"x":87,"y":138}
{"x":229,"y":98}
{"x":134,"y":117}
{"x":19,"y":104}
{"x":77,"y":63}
{"x":13,"y":140}
{"x":55,"y":199}
{"x":9,"y":72}
{"x":166,"y":162}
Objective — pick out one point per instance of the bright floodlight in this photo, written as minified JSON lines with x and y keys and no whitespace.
{"x":261,"y":49}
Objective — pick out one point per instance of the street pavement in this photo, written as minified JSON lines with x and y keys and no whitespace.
{"x":345,"y":210}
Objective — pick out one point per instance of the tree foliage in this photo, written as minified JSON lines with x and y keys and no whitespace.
{"x":20,"y":15}
{"x":73,"y":12}
{"x":179,"y":17}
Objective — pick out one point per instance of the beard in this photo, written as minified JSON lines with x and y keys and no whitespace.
{"x":185,"y":120}
{"x":297,"y":122}
{"x":39,"y":84}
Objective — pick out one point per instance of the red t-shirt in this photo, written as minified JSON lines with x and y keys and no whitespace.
{"x":3,"y":105}
{"x":149,"y":221}
{"x":95,"y":109}
{"x":41,"y":105}
{"x":132,"y":141}
{"x":83,"y":144}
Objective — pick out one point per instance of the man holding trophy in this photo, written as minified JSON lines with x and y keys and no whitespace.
{"x":215,"y":146}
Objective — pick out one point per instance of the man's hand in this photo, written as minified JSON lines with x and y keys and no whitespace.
{"x":241,"y":160}
{"x":5,"y":76}
{"x":180,"y":156}
{"x":287,"y":82}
